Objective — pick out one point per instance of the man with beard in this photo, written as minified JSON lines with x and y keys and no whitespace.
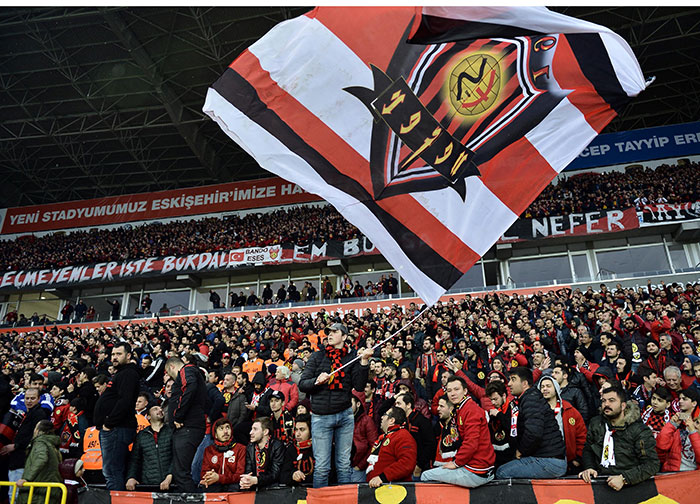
{"x":264,"y":457}
{"x":393,"y":455}
{"x":618,"y":444}
{"x":329,"y":383}
{"x":421,"y":430}
{"x":114,"y":416}
{"x":151,"y":455}
{"x":188,"y":417}
{"x":224,"y":460}
{"x":298,"y":465}
{"x":446,"y":433}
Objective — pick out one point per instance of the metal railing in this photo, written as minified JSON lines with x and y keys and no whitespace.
{"x":36,"y":484}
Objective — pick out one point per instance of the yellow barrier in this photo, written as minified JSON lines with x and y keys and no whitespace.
{"x":36,"y":484}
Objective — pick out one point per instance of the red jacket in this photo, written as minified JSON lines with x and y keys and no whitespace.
{"x":574,"y":431}
{"x":397,"y":456}
{"x":476,"y":451}
{"x":364,"y":435}
{"x":669,"y":440}
{"x":290,"y":391}
{"x":229,"y":466}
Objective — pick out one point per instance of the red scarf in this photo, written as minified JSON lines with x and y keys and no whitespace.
{"x":336,"y":355}
{"x":380,"y":440}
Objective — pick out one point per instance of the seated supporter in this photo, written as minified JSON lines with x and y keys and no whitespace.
{"x":657,"y":414}
{"x":446,"y":433}
{"x":150,"y":461}
{"x":618,"y":443}
{"x":500,"y":425}
{"x":540,"y":451}
{"x":473,"y":463}
{"x":570,"y":422}
{"x":282,"y":419}
{"x":298,"y":465}
{"x":224,"y":461}
{"x":422,"y":431}
{"x":393,"y":455}
{"x":264,"y":457}
{"x":679,"y":439}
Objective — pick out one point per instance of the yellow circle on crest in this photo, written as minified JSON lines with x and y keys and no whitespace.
{"x":475,"y":83}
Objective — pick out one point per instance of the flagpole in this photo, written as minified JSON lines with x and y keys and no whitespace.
{"x":420,"y":314}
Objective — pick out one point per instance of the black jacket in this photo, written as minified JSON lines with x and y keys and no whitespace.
{"x":422,"y":431}
{"x":151,"y":462}
{"x":115,"y":407}
{"x":25,"y":433}
{"x":187,"y":403}
{"x":274,"y":456}
{"x":302,"y":460}
{"x":325,"y":401}
{"x":538,"y":430}
{"x":575,"y":396}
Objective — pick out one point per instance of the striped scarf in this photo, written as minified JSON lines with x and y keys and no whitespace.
{"x":336,"y":355}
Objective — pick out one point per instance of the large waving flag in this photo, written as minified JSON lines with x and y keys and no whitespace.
{"x":430,"y":129}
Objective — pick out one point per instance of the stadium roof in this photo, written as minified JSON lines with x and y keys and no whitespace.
{"x":105,"y":101}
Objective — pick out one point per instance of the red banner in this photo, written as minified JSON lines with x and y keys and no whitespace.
{"x":158,"y":205}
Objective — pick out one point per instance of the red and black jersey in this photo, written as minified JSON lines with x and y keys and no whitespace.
{"x":283,"y":427}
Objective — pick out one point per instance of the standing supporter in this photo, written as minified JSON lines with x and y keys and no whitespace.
{"x":41,"y":465}
{"x":570,"y":422}
{"x":298,"y":465}
{"x":501,"y":424}
{"x":150,"y":462}
{"x":187,"y":415}
{"x":618,"y":444}
{"x":254,"y":364}
{"x":114,"y":416}
{"x":16,"y":451}
{"x":363,"y":437}
{"x":393,"y":455}
{"x":237,"y":413}
{"x":540,"y":450}
{"x":264,"y":457}
{"x":259,"y":397}
{"x":444,"y":376}
{"x":224,"y":460}
{"x":46,"y":401}
{"x":432,"y":379}
{"x":473,"y":463}
{"x":331,"y":417}
{"x":72,"y":431}
{"x":422,"y":431}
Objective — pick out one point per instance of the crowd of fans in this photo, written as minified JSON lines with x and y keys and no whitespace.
{"x":302,"y":225}
{"x":589,"y":383}
{"x":634,"y":187}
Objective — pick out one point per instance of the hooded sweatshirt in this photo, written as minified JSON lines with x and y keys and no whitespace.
{"x":571,"y":423}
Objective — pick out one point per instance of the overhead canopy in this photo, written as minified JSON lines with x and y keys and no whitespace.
{"x":106,"y":101}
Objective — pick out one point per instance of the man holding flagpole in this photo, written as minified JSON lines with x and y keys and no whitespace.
{"x":329,"y":377}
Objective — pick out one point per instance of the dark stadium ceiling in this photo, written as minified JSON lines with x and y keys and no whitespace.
{"x":105,"y":101}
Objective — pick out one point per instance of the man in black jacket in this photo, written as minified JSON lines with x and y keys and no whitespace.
{"x":540,"y":450}
{"x":330,"y":390}
{"x":264,"y":457}
{"x":187,"y":413}
{"x":151,"y":457}
{"x":570,"y":392}
{"x":17,"y":451}
{"x":114,"y":416}
{"x":422,"y":431}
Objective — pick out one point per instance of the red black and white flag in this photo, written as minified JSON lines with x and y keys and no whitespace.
{"x":430,"y":129}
